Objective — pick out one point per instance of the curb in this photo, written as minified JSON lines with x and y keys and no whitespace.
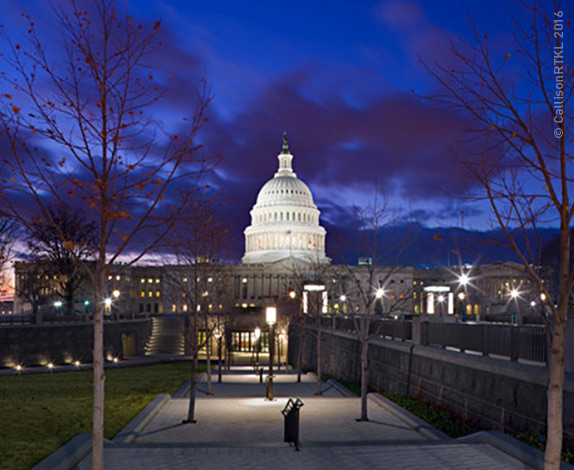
{"x":69,"y":455}
{"x":313,"y":376}
{"x":341,"y":389}
{"x":183,"y":390}
{"x":418,"y":424}
{"x":136,"y":425}
{"x":519,"y":450}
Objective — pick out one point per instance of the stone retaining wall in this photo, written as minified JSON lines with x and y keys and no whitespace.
{"x":495,"y":393}
{"x":31,"y":345}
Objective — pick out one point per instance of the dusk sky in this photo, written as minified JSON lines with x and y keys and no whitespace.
{"x":338,"y":77}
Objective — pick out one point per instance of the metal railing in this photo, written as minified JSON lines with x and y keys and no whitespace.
{"x":31,"y":319}
{"x":526,"y":342}
{"x":515,"y":342}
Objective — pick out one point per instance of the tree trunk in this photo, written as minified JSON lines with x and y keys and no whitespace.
{"x":192,"y":389}
{"x":300,"y":350}
{"x":208,"y":361}
{"x":318,"y":391}
{"x":364,"y":366}
{"x":553,"y":452}
{"x":98,"y":372}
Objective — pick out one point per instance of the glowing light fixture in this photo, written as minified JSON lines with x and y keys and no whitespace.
{"x":271,"y":315}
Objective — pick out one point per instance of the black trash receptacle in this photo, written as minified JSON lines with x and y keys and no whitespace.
{"x":291,"y":414}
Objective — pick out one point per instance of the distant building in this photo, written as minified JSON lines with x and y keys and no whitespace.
{"x":285,"y":263}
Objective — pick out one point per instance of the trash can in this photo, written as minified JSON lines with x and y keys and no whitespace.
{"x":291,"y":414}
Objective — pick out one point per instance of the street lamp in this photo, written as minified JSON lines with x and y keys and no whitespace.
{"x":440,"y":300}
{"x":218,"y":335}
{"x":463,"y":281}
{"x":271,"y":318}
{"x":58,"y":305}
{"x":257,"y":334}
{"x":514,"y":295}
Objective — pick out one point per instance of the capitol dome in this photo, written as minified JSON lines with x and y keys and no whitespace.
{"x":284,"y":219}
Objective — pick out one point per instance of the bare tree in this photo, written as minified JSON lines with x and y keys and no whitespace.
{"x":517,"y":101}
{"x":199,"y":245}
{"x":371,"y":281}
{"x":7,"y":234}
{"x":61,"y":246}
{"x":95,"y":105}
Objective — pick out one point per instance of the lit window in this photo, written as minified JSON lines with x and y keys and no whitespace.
{"x":157,"y":294}
{"x":109,"y":278}
{"x":143,"y":293}
{"x":209,"y":279}
{"x":157,"y":281}
{"x":185,"y":279}
{"x":185,"y":307}
{"x":118,"y":277}
{"x":150,"y":294}
{"x":150,"y":280}
{"x":142,"y":281}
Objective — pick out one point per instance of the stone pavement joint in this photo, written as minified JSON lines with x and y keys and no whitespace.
{"x":237,"y":428}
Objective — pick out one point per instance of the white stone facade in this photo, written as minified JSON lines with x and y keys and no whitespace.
{"x":284,"y":220}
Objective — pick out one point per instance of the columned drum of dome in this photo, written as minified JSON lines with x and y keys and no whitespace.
{"x":284,"y":220}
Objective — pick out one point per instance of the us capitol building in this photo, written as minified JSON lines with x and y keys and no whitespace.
{"x":285,"y":264}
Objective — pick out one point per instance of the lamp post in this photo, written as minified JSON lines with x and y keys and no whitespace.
{"x":463,"y":281}
{"x":271,"y":318}
{"x":257,"y":347}
{"x":461,"y":296}
{"x":217,"y":333}
{"x":440,"y":300}
{"x":514,"y":295}
{"x":379,"y":294}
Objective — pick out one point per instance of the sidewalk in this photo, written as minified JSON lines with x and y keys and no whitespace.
{"x":236,"y":428}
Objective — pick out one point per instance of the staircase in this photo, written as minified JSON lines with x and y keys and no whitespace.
{"x":166,"y":337}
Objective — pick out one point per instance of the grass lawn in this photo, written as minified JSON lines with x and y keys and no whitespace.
{"x":40,"y":412}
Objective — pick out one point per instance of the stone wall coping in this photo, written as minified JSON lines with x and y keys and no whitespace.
{"x":420,"y":425}
{"x":513,"y":447}
{"x":67,"y":456}
{"x":72,"y":323}
{"x":130,"y":432}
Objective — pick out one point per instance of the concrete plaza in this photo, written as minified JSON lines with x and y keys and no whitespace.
{"x":237,"y":428}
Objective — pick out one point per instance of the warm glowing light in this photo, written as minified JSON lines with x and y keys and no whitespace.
{"x":292,"y":294}
{"x":543,"y":296}
{"x":343,"y":298}
{"x":116,"y":360}
{"x":461,"y":295}
{"x":379,"y":294}
{"x":533,"y":304}
{"x":108,"y":302}
{"x":257,"y":333}
{"x":18,"y":367}
{"x":50,"y":365}
{"x":463,"y":279}
{"x":440,"y":298}
{"x":217,"y":333}
{"x":116,"y":294}
{"x":514,"y":294}
{"x":77,"y":363}
{"x":270,"y":315}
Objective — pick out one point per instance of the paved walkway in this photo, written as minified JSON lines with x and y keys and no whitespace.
{"x":237,"y":429}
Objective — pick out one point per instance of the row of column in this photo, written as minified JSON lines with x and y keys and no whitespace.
{"x":273,"y":241}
